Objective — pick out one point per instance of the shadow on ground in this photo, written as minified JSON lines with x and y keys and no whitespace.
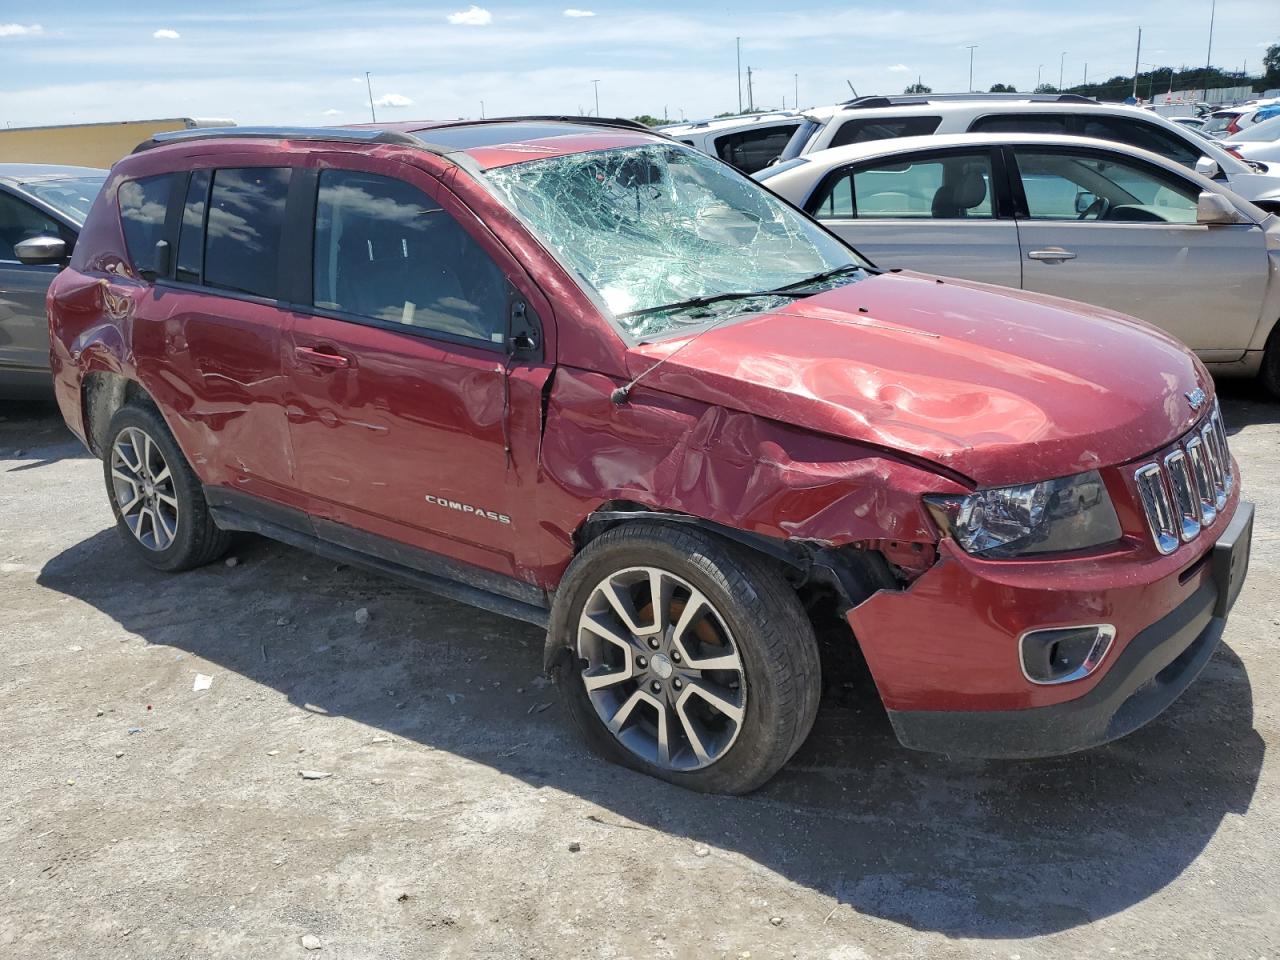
{"x":965,"y":848}
{"x":33,"y":434}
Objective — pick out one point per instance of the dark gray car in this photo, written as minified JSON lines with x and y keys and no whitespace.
{"x":38,"y":202}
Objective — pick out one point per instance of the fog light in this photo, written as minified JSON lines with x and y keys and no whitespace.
{"x":1063,"y":654}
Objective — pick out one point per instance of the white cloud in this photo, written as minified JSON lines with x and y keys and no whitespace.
{"x":167,"y":35}
{"x":393,"y":100}
{"x":473,"y":16}
{"x":900,"y":68}
{"x":333,"y":113}
{"x":20,"y":30}
{"x":571,"y":12}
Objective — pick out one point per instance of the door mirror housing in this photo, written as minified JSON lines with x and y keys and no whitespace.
{"x":1214,"y":208}
{"x":1208,"y":167}
{"x":1084,"y":200}
{"x":40,"y":250}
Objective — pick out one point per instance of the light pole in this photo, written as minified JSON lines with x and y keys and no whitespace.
{"x":738,"y":42}
{"x":1038,"y":71}
{"x":1061,"y":65}
{"x":972,"y":47}
{"x":596,"y":84}
{"x":481,"y":109}
{"x":369,"y":86}
{"x":1208,"y":59}
{"x":797,"y":77}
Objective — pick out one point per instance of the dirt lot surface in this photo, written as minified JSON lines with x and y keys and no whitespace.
{"x":142,"y":818}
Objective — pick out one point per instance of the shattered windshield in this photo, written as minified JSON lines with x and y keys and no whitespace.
{"x":655,"y":230}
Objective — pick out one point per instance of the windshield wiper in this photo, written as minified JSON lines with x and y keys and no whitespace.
{"x":818,"y":278}
{"x":706,"y":301}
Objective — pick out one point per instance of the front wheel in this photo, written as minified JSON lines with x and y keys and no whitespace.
{"x":1270,"y":372}
{"x":157,"y":500}
{"x":686,"y":657}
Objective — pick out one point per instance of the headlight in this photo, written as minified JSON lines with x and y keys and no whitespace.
{"x":1055,"y":515}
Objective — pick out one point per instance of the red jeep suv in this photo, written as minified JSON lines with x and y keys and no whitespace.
{"x":578,"y":373}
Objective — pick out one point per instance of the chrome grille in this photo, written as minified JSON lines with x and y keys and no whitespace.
{"x":1184,"y":492}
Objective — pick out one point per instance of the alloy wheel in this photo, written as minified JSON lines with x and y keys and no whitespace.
{"x":143,"y":487}
{"x":662,"y":669}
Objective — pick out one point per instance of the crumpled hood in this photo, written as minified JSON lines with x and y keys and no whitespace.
{"x":999,"y":385}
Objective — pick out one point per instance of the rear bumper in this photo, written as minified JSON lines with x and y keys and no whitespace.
{"x":1151,"y":671}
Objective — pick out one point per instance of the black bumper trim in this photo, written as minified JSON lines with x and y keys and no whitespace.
{"x":1149,"y":674}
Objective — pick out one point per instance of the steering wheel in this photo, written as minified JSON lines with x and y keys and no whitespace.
{"x":1098,"y":209}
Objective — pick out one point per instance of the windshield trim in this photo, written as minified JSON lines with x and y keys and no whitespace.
{"x":589,"y":291}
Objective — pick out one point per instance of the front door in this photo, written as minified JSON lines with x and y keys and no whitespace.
{"x":24,"y":329}
{"x":406,"y":419}
{"x":1113,"y":231}
{"x":933,"y":211}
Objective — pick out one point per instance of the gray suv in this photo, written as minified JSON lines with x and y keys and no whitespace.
{"x":42,"y":208}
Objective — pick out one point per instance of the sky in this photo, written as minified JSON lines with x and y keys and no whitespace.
{"x":275,"y":61}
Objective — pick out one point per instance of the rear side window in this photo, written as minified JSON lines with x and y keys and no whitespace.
{"x":1022,"y":123}
{"x":863,"y":129}
{"x":950,"y":187}
{"x":754,"y":149}
{"x":143,"y":204}
{"x":191,"y":236}
{"x":243,"y":229}
{"x":386,"y":251}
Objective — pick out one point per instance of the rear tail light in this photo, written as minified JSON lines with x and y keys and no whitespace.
{"x":1234,"y":151}
{"x":1234,"y":125}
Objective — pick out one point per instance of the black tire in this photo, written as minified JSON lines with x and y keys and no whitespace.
{"x":774,"y":638}
{"x":1269,"y":374}
{"x":196,"y":540}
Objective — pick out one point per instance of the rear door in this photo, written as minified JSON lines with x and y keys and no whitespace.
{"x":211,"y":337}
{"x":938,"y":211}
{"x":409,"y":420}
{"x":754,"y":149}
{"x":1109,"y":229}
{"x":24,"y":330}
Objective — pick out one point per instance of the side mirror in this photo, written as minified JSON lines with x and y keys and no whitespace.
{"x":1208,"y":167}
{"x":1084,"y":200}
{"x":1214,"y":208}
{"x":38,"y":250}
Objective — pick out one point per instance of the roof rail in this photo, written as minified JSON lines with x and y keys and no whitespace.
{"x":920,"y":99}
{"x":341,"y":134}
{"x":554,"y":118}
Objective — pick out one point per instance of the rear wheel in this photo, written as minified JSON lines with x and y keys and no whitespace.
{"x":688,"y":658}
{"x":159,"y":508}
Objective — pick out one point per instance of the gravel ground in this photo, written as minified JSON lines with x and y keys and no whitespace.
{"x":459,"y":817}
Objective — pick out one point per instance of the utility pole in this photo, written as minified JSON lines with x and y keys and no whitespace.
{"x":481,"y":109}
{"x":369,"y":86}
{"x":751,"y":102}
{"x":1062,"y":63}
{"x":797,"y":76}
{"x":1085,"y":82}
{"x":1136,"y":55}
{"x":1208,"y":60}
{"x":1038,"y":71}
{"x":738,"y":41}
{"x":972,"y":47}
{"x":596,"y":84}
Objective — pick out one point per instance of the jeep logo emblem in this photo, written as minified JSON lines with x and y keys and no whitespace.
{"x":1196,"y":398}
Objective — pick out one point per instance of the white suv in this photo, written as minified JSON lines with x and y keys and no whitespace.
{"x":749,"y":141}
{"x":878,"y":118}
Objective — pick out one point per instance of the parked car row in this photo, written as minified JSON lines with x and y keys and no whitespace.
{"x":1079,"y":218}
{"x":581,"y":374}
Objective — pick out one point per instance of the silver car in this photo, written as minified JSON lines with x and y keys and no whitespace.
{"x":1074,"y":217}
{"x":38,"y":203}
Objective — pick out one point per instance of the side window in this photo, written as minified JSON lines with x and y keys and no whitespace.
{"x":191,"y":236}
{"x":143,"y":204}
{"x":20,"y":221}
{"x":862,"y":129}
{"x":1022,"y":123}
{"x":243,"y":228}
{"x":386,"y":251}
{"x":1139,"y":133}
{"x":1101,"y":187}
{"x":947,"y":187}
{"x":754,"y":149}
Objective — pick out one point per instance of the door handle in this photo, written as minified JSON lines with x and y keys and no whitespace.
{"x":320,"y":358}
{"x":1052,"y":255}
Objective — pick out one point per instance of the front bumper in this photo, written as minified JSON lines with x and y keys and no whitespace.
{"x":1135,"y":685}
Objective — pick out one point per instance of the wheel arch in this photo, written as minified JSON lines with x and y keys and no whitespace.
{"x":102,"y":393}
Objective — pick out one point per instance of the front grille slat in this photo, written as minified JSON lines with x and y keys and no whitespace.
{"x":1184,"y":491}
